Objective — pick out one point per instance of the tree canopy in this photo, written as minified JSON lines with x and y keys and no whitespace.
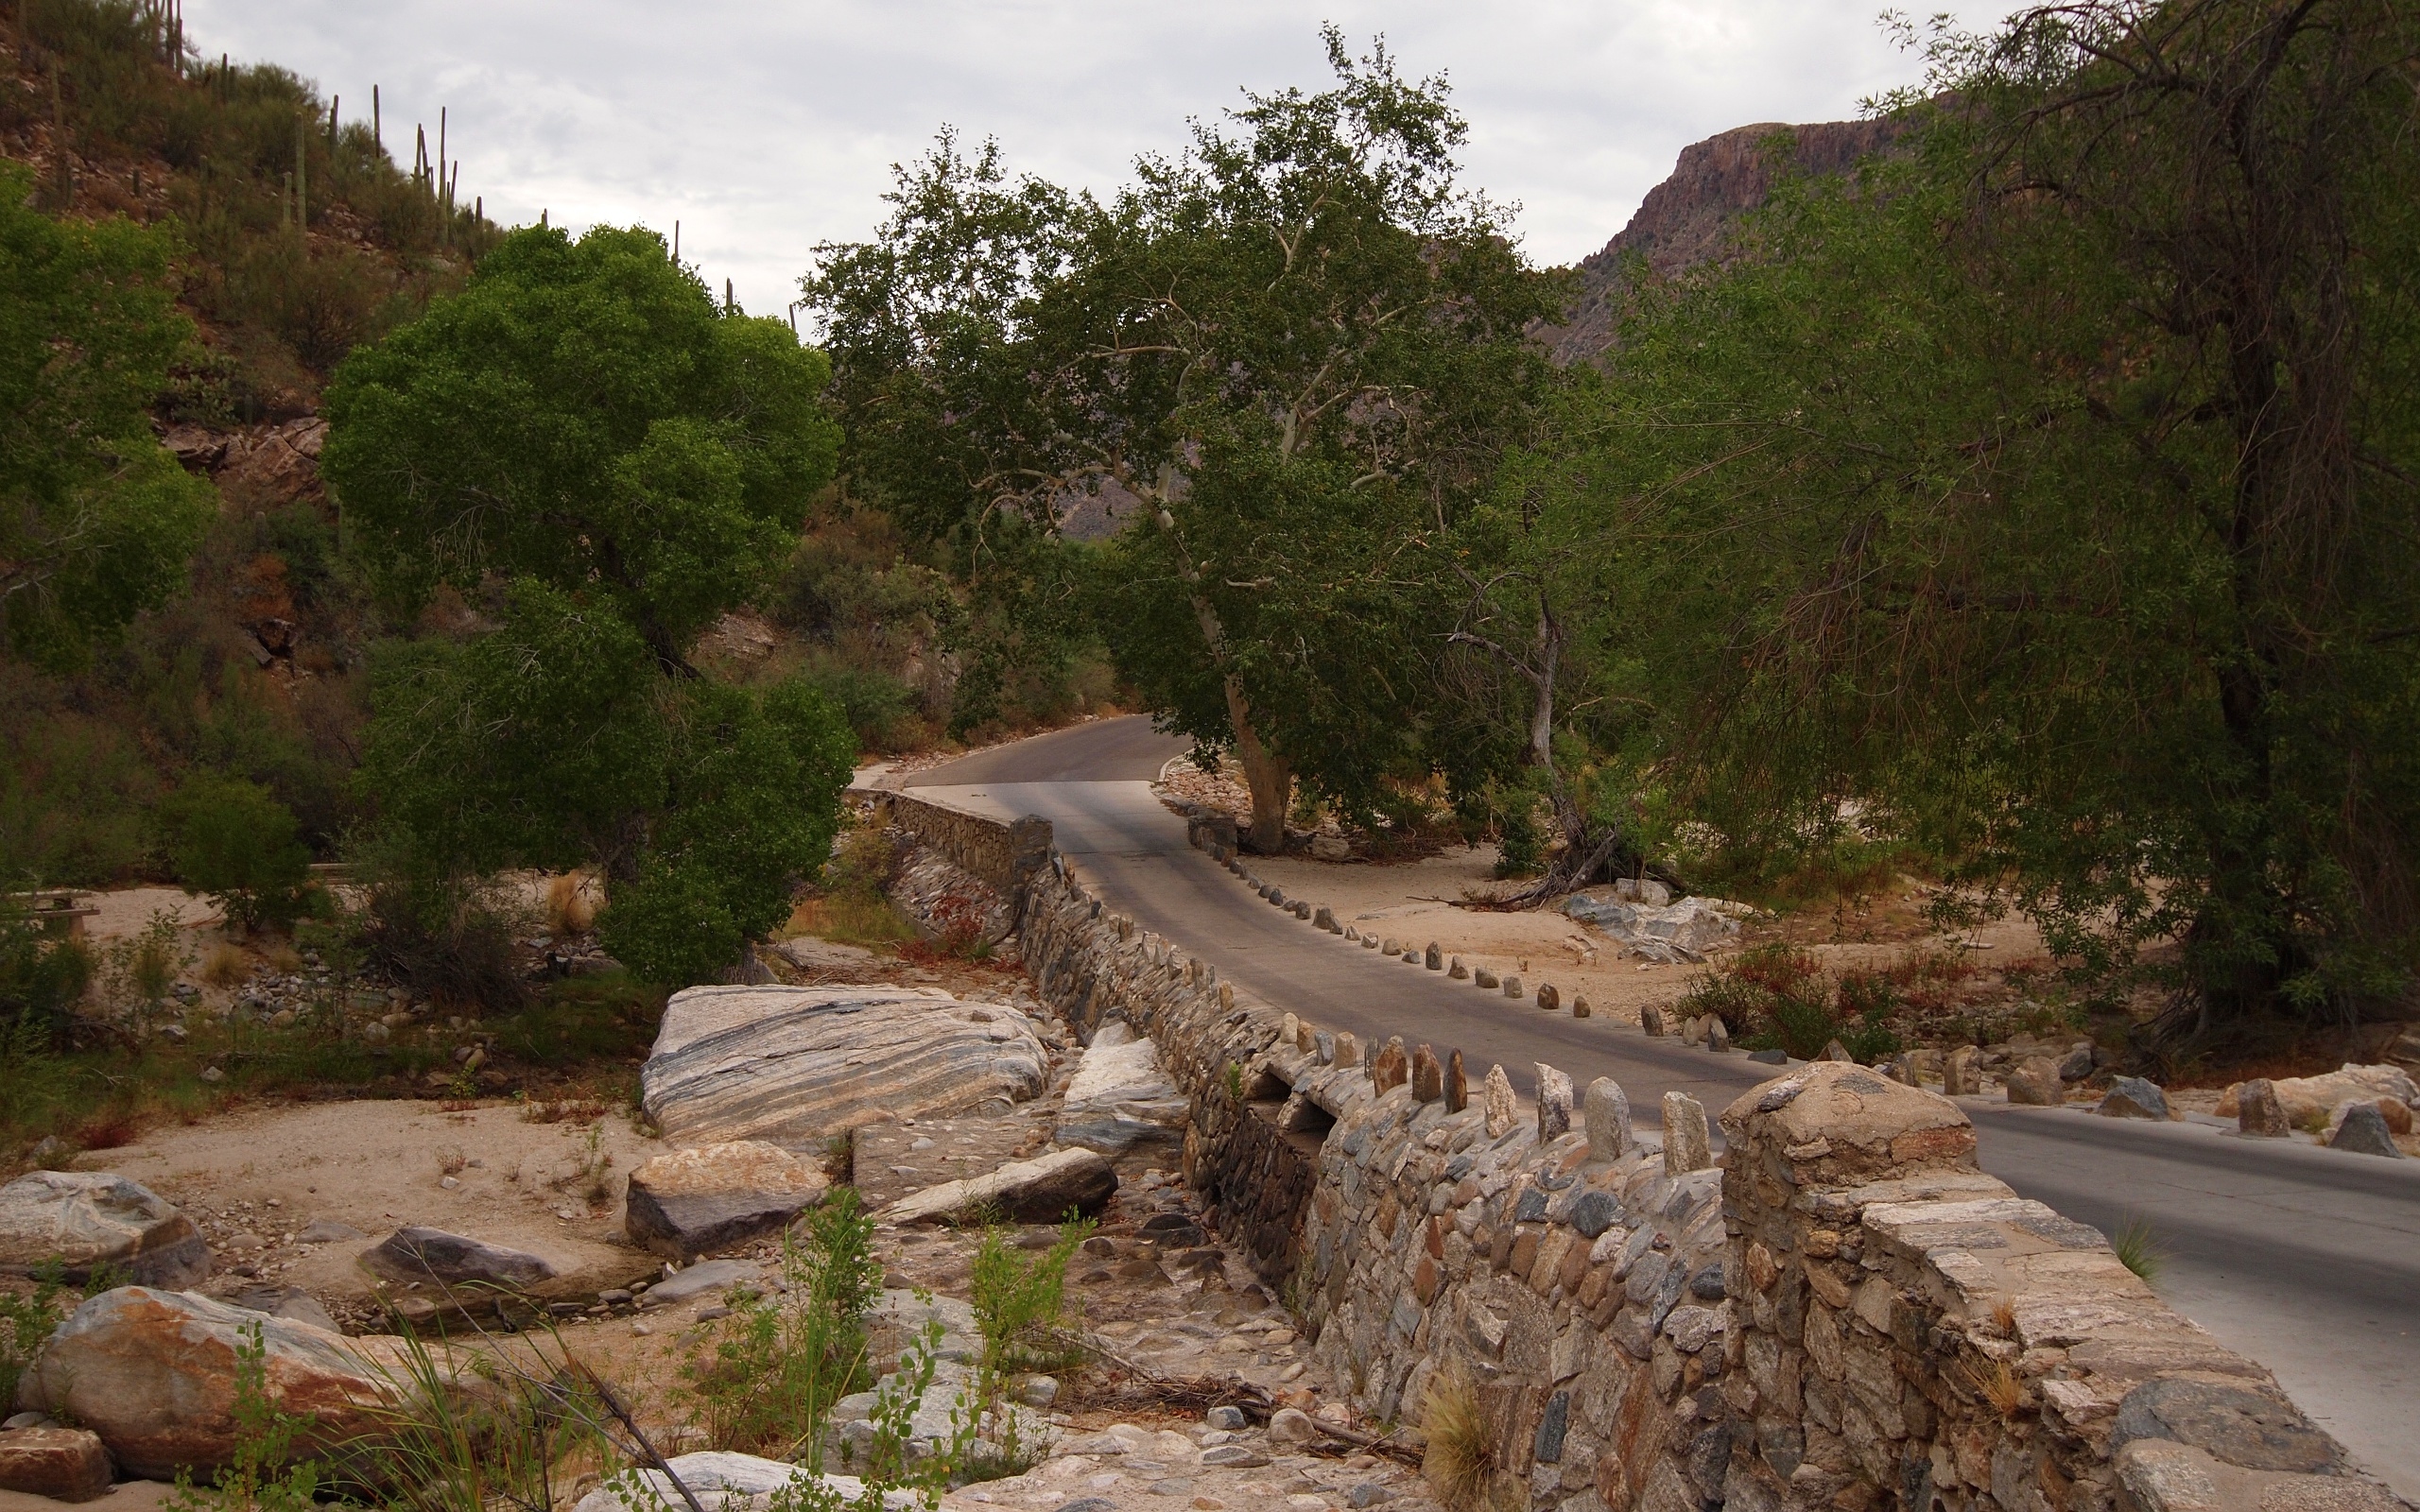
{"x":1292,"y":351}
{"x":96,"y":519}
{"x":607,"y":462}
{"x":584,"y":414}
{"x":2045,"y":495}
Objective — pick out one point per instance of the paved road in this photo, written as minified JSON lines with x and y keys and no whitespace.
{"x":2307,"y":1260}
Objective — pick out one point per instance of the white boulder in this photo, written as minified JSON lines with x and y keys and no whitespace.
{"x":1119,"y":1097}
{"x":794,"y":1066}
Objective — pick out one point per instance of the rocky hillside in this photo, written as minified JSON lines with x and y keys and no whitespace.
{"x":1688,"y":218}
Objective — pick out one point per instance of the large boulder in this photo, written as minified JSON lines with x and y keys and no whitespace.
{"x":1036,"y":1191}
{"x":1119,"y":1097}
{"x":794,"y":1066}
{"x":2308,"y":1101}
{"x":86,"y":1219}
{"x":153,"y":1373}
{"x":447,"y":1263}
{"x":693,"y":1202}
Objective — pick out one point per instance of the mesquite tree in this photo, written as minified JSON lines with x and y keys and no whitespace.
{"x":1293,"y":352}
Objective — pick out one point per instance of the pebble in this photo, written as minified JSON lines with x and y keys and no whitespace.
{"x":642,"y":1329}
{"x":1208,"y":1503}
{"x":1235,"y":1456}
{"x":1369,"y":1493}
{"x":1231,"y":1419}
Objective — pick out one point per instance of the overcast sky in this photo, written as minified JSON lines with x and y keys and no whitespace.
{"x":765,"y":128}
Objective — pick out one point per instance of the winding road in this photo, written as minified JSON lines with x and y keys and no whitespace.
{"x":2308,"y":1260}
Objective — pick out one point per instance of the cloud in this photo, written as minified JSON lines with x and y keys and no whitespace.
{"x":765,"y":128}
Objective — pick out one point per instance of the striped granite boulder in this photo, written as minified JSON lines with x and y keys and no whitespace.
{"x":794,"y":1066}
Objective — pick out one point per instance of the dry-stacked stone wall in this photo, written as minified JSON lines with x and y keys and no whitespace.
{"x":1845,"y":1314}
{"x":1909,"y":1332}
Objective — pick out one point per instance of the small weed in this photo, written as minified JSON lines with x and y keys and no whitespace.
{"x":25,"y":1325}
{"x":2138,"y":1249}
{"x":450,"y":1159}
{"x":1019,"y":1302}
{"x":565,"y":1111}
{"x":778,"y":1364}
{"x":265,"y":1475}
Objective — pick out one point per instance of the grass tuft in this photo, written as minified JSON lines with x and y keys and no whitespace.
{"x":2138,"y":1250}
{"x":1460,"y":1459}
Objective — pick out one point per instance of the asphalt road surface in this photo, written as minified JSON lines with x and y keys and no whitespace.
{"x":2304,"y":1259}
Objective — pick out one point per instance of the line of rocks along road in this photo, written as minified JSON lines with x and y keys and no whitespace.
{"x":2307,"y":1259}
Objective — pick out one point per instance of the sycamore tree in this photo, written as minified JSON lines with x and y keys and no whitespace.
{"x":96,"y":519}
{"x":2048,"y":495}
{"x":591,"y":450}
{"x":1293,"y":353}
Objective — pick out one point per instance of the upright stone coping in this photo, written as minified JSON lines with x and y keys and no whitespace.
{"x":1816,"y":1323}
{"x":1913,"y":1333}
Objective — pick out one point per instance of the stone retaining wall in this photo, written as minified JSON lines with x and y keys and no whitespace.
{"x":999,"y":854}
{"x":1909,"y":1332}
{"x":1851,"y":1316}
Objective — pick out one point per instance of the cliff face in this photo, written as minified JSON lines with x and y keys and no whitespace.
{"x":1688,"y":218}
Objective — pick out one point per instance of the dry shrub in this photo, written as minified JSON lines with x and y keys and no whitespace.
{"x":1999,"y":1386}
{"x":1460,"y":1459}
{"x":113,"y":1129}
{"x":2004,"y":1317}
{"x":567,"y":1110}
{"x":226,"y":966}
{"x":572,"y":902}
{"x":281,"y":958}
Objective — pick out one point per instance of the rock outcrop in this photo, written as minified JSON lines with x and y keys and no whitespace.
{"x":153,"y":1373}
{"x":696,"y":1201}
{"x":87,"y":1219}
{"x":1037,"y":1191}
{"x":794,"y":1066}
{"x":1692,"y":217}
{"x":1119,"y":1097}
{"x":723,"y":1482}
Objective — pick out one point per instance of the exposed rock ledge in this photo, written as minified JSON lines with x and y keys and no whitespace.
{"x":794,"y":1066}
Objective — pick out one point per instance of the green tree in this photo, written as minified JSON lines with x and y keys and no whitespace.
{"x":609,"y":461}
{"x":1293,"y":352}
{"x":2049,"y":494}
{"x":229,"y":839}
{"x":96,"y":519}
{"x":586,"y":415}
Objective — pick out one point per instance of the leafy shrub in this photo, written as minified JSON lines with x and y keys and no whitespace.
{"x":41,"y":978}
{"x":879,"y":707}
{"x":1778,"y":996}
{"x":25,"y":1325}
{"x":229,"y":838}
{"x":780,"y":1362}
{"x":1520,"y":849}
{"x":1019,"y":1302}
{"x":449,"y":940}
